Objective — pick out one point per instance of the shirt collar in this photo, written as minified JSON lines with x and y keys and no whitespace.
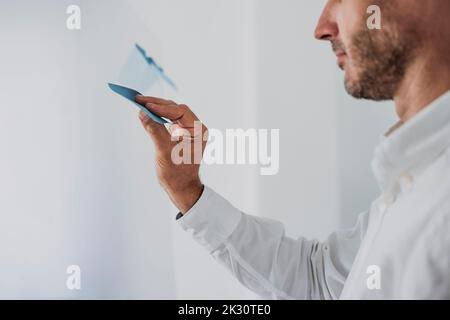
{"x":408,"y":147}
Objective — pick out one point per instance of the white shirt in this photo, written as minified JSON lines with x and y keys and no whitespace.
{"x":399,"y":248}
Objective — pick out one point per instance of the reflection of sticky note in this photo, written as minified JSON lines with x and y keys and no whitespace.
{"x":130,"y":95}
{"x":151,"y":62}
{"x":141,"y":71}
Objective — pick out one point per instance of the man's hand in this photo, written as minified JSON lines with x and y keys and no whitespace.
{"x":181,"y":181}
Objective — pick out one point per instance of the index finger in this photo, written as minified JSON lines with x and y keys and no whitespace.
{"x":180,"y":114}
{"x":144,"y":100}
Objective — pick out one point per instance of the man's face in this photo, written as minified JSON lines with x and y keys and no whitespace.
{"x":374,"y":61}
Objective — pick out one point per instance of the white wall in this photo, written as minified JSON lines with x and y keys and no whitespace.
{"x":297,"y":93}
{"x":77,"y":183}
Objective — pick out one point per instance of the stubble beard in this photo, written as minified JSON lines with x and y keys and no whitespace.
{"x":380,"y":59}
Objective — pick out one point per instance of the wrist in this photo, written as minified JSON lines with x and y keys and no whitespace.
{"x":186,"y":196}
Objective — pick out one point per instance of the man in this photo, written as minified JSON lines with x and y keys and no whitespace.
{"x":400,"y":247}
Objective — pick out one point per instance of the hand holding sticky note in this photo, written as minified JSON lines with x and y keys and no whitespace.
{"x":130,"y":95}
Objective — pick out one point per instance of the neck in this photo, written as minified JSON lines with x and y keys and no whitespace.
{"x":426,"y":80}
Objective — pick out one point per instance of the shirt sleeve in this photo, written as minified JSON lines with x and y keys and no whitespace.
{"x":259,"y":255}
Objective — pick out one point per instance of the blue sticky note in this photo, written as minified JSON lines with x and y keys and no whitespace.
{"x":130,"y":95}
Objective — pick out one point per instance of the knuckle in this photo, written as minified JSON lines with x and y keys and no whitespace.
{"x":149,"y":126}
{"x":184,"y":107}
{"x":152,"y":129}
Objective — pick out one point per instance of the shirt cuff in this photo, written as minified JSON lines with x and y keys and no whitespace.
{"x":211,"y":220}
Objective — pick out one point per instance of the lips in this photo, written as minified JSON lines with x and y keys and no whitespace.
{"x":338,"y":47}
{"x":341,"y":56}
{"x":339,"y":50}
{"x":340,"y":53}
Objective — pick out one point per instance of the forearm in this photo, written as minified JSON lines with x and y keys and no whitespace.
{"x":257,"y":252}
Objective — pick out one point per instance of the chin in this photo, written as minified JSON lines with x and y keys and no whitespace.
{"x":349,"y":81}
{"x":353,"y":88}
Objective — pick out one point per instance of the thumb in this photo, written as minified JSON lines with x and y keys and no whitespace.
{"x":158,"y":132}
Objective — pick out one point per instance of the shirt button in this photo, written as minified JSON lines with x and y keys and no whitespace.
{"x":406,"y":182}
{"x":389,"y":199}
{"x":382,"y":206}
{"x":386,"y":201}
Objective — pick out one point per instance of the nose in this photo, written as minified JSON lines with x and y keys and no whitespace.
{"x":327,"y":28}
